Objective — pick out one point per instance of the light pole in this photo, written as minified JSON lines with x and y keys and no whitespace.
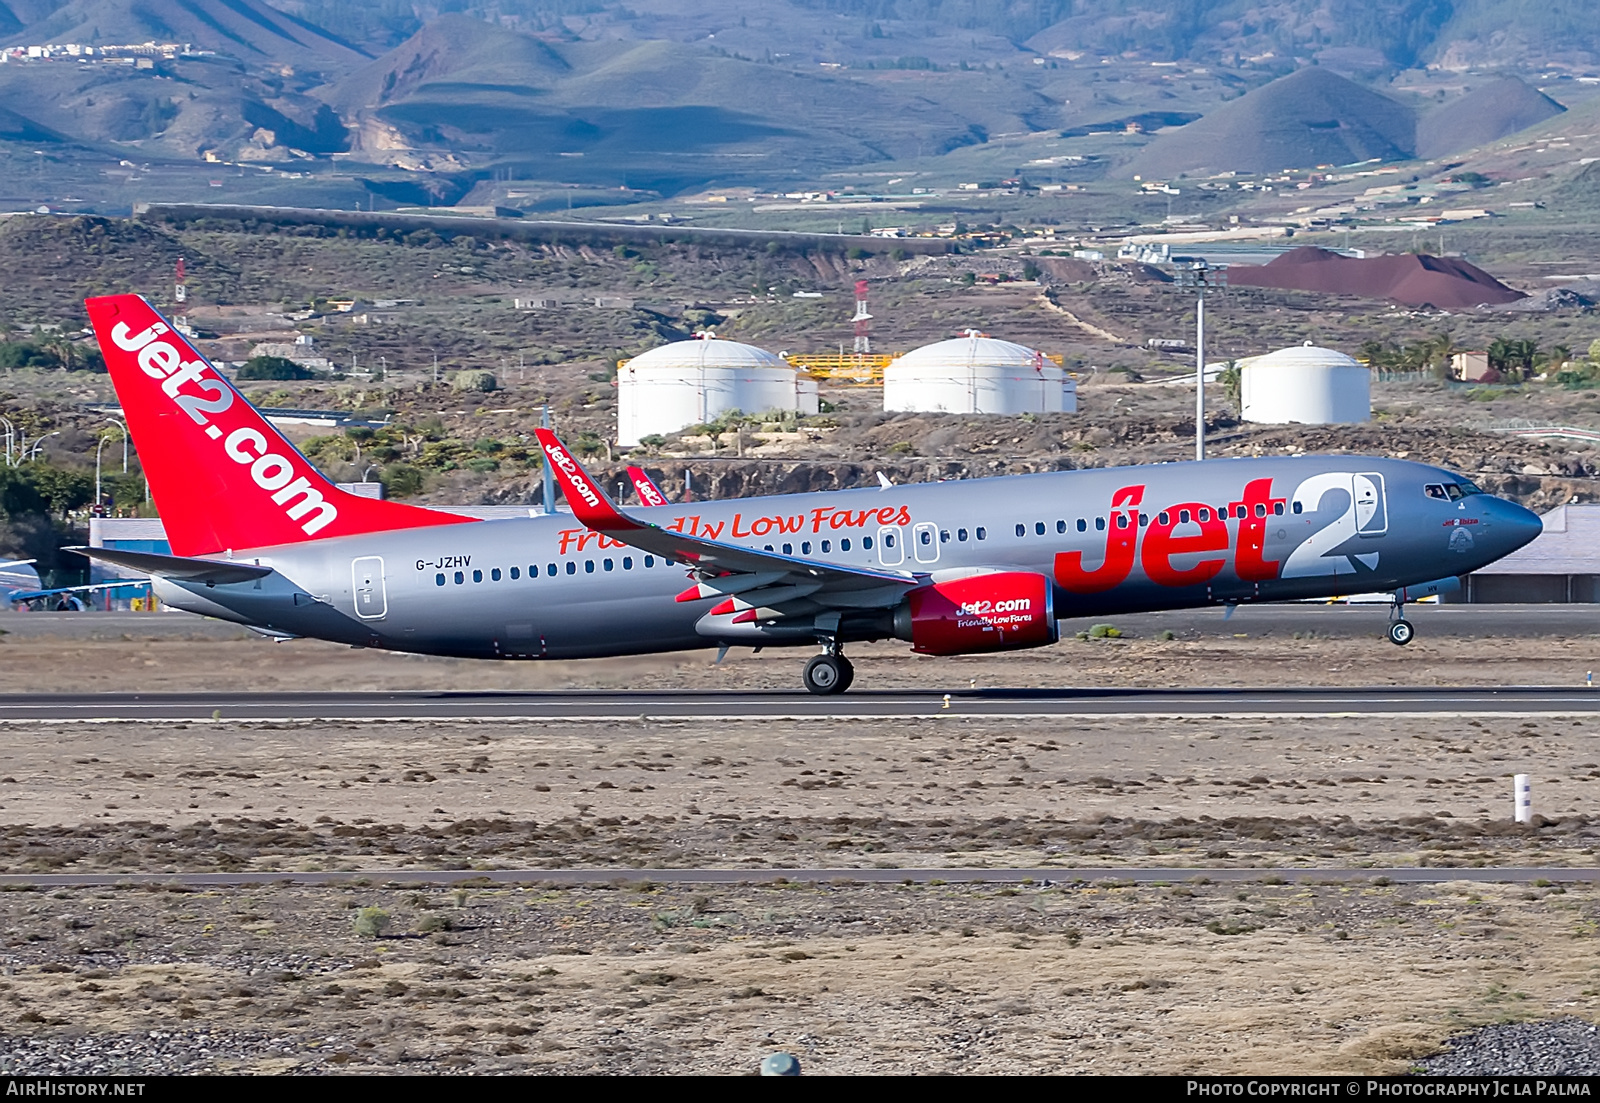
{"x":97,"y":450}
{"x":1198,"y":276}
{"x":123,"y":425}
{"x":11,"y":433}
{"x":33,"y":453}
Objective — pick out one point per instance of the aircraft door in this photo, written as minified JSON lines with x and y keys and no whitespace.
{"x":891,"y":548}
{"x":372,"y":601}
{"x":925,"y":542}
{"x":1372,"y":513}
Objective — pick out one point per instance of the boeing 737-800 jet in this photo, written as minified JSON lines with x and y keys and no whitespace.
{"x":260,"y":537}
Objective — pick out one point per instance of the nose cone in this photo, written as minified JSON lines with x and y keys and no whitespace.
{"x":1511,"y":525}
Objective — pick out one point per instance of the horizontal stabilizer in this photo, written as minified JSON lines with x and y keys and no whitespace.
{"x":178,"y":568}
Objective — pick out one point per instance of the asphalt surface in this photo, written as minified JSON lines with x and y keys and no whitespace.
{"x":1333,"y":621}
{"x":1040,"y":875}
{"x":747,"y":704}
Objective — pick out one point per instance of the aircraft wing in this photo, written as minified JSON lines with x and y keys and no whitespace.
{"x":649,"y":493}
{"x":7,"y":564}
{"x":215,"y":571}
{"x":754,"y":584}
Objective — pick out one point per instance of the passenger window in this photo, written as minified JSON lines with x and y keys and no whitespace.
{"x":788,"y":549}
{"x":944,"y":536}
{"x":1261,"y":510}
{"x":460,"y":578}
{"x":924,"y":537}
{"x":844,"y":545}
{"x":1277,"y":509}
{"x":609,"y":564}
{"x":805,"y":547}
{"x":1205,"y":515}
{"x":1038,"y":528}
{"x":1022,"y":530}
{"x":888,"y":541}
{"x":649,"y":561}
{"x":438,"y":579}
{"x":766,"y":547}
{"x":1435,"y":490}
{"x":494,"y":575}
{"x":1299,"y":507}
{"x":477,"y":576}
{"x":1083,"y":526}
{"x":515,"y":574}
{"x":1164,"y":518}
{"x":572,"y":567}
{"x":1144,"y":519}
{"x":961,"y":534}
{"x":588,"y":566}
{"x":866,"y":543}
{"x":1061,"y":526}
{"x":1100,"y":524}
{"x":1122,"y":520}
{"x":982,"y":533}
{"x":627,"y":562}
{"x":1183,"y":517}
{"x":550,"y":569}
{"x":827,"y":546}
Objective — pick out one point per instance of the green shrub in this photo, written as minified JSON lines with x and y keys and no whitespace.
{"x":371,"y":922}
{"x":474,"y":379}
{"x":273,"y":367}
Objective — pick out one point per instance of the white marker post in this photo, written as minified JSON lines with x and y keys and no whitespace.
{"x":1522,"y":795}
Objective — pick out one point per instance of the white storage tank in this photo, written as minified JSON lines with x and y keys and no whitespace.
{"x":692,"y":382}
{"x":976,"y":374}
{"x":1305,"y":385}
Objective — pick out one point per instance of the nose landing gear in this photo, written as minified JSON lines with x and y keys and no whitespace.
{"x":829,"y":672}
{"x":1401,"y":630}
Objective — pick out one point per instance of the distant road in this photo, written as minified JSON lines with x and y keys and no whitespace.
{"x":746,"y":704}
{"x":1334,"y":621}
{"x":923,"y":876}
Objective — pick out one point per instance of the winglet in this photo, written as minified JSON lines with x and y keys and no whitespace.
{"x":589,"y":503}
{"x":649,"y":493}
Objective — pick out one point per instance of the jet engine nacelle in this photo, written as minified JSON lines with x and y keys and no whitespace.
{"x":1002,"y":611}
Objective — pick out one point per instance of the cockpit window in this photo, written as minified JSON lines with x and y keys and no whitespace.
{"x":1435,"y":490}
{"x":1454,"y":491}
{"x":1468,"y":488}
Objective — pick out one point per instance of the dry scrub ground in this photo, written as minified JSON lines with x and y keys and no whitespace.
{"x":1189,"y":977}
{"x":852,"y":978}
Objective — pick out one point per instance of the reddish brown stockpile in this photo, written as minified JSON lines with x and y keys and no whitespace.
{"x":1415,"y":280}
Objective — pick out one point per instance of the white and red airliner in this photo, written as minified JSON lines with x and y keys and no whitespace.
{"x":260,"y":537}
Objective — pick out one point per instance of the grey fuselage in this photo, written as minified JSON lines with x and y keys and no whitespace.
{"x":546,"y":587}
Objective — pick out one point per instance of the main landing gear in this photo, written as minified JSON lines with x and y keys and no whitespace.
{"x":830,"y":672}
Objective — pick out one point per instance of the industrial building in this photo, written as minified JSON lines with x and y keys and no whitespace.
{"x":977,"y":374}
{"x":1305,"y":385}
{"x":693,"y":382}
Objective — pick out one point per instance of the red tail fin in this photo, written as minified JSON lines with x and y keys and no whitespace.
{"x":649,"y":493}
{"x":221,"y":475}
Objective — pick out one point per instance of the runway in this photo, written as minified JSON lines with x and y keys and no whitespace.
{"x":1043,"y":875}
{"x":600,"y":705}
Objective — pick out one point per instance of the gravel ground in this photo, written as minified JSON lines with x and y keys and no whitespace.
{"x":1556,"y":1047}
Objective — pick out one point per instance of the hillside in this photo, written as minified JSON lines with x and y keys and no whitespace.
{"x":1489,"y":112}
{"x":250,"y":30}
{"x":1308,"y":118}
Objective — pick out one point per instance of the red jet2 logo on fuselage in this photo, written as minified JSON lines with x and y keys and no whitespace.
{"x":1206,"y":532}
